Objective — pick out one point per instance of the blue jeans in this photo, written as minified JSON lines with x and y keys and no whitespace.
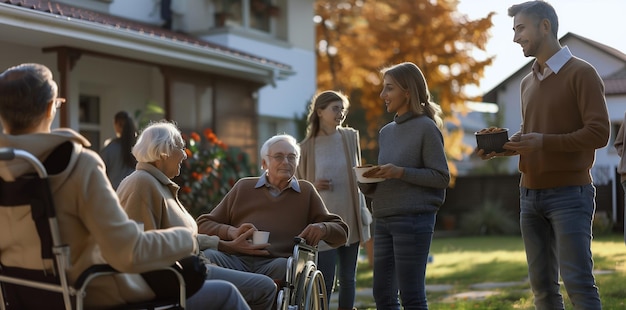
{"x":216,"y":295}
{"x":401,"y":246}
{"x":345,"y":258}
{"x":273,"y":267}
{"x":258,"y":290}
{"x":556,"y":229}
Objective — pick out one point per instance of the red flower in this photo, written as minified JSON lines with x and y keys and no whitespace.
{"x":195,"y":136}
{"x":208,"y":133}
{"x":210,"y":171}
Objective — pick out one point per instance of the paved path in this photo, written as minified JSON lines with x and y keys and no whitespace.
{"x":477,"y":291}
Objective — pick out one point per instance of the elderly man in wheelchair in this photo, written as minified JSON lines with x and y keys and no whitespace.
{"x":286,"y":207}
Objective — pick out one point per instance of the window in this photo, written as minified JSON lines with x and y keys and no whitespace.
{"x":89,"y":119}
{"x":254,"y":14}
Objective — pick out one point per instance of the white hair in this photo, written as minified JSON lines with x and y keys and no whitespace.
{"x":277,"y":138}
{"x":156,"y":140}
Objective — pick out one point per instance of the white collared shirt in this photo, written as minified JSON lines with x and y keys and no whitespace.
{"x":275,"y":191}
{"x":554,"y":64}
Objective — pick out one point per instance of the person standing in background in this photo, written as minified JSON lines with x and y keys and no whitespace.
{"x":412,"y":160}
{"x":328,"y":154}
{"x":620,"y":141}
{"x":117,"y":152}
{"x":557,"y":195}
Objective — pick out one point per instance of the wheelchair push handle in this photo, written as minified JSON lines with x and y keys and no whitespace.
{"x":7,"y":153}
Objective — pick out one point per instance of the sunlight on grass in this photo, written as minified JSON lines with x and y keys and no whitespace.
{"x":609,"y":253}
{"x":464,"y":261}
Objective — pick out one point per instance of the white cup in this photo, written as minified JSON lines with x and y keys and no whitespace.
{"x":260,"y":237}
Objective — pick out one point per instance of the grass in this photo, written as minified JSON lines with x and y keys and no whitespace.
{"x":463,"y":261}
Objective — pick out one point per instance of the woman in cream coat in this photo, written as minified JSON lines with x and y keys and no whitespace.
{"x":329,"y":152}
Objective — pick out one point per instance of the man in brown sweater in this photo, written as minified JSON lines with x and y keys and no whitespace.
{"x":276,"y":202}
{"x":564,"y":120}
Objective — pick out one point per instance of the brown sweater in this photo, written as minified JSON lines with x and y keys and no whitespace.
{"x":569,"y":109}
{"x":284,"y":216}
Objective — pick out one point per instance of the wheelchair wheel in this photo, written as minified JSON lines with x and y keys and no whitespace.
{"x":316,"y":298}
{"x":311,"y":290}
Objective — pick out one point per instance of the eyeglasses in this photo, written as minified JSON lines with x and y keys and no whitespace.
{"x":58,"y":102}
{"x":337,"y":109}
{"x":291,"y":158}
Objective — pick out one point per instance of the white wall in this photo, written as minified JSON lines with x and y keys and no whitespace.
{"x":278,"y":105}
{"x":120,"y":86}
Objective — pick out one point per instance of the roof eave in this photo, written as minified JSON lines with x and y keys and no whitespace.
{"x":143,"y":46}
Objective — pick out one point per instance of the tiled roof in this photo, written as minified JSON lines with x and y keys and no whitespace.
{"x":65,"y":10}
{"x":615,"y":84}
{"x":615,"y":87}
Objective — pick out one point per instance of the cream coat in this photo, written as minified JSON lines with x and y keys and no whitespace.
{"x":306,"y":171}
{"x":92,"y":223}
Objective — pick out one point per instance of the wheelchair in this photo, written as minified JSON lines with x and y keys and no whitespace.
{"x":304,"y":287}
{"x":22,"y":288}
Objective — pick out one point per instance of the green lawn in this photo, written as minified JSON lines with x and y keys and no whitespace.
{"x":463,"y":261}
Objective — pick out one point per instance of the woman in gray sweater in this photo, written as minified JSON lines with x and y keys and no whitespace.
{"x":412,"y":160}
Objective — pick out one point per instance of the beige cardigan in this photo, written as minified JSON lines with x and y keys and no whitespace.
{"x":306,"y":171}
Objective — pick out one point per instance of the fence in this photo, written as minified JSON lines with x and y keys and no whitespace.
{"x":471,"y":192}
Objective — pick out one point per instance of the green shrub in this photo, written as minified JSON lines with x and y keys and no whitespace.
{"x":490,"y":219}
{"x":602,"y":224}
{"x":210,"y":171}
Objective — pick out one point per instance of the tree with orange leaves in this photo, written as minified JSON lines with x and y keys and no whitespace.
{"x":355,"y":38}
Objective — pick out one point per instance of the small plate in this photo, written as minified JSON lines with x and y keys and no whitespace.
{"x":359,"y":174}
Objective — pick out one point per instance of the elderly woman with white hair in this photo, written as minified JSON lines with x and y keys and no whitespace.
{"x":150,"y":196}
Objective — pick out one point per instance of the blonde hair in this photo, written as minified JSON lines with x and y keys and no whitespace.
{"x":410,"y":78}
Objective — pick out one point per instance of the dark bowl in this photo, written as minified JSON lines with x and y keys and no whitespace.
{"x":492,"y":141}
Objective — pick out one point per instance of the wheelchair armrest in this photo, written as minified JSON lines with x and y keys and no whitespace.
{"x":95,"y":270}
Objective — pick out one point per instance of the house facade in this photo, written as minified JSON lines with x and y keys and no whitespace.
{"x":611,"y":66}
{"x":243,"y":68}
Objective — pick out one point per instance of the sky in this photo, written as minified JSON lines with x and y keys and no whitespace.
{"x":603,"y":21}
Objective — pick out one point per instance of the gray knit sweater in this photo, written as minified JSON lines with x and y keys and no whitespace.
{"x":416,"y":144}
